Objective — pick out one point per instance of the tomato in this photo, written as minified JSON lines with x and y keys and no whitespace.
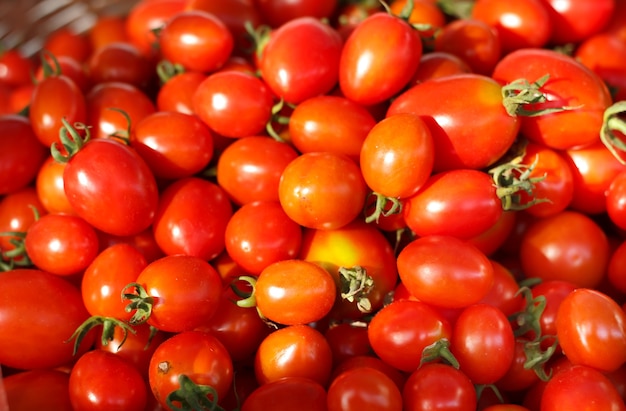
{"x":197,"y":40}
{"x":425,"y":16}
{"x":293,"y":351}
{"x":441,"y":386}
{"x":144,"y":242}
{"x":330,"y":123}
{"x":146,"y":16}
{"x":249,"y":169}
{"x":259,"y":234}
{"x":67,"y":42}
{"x":397,"y":156}
{"x":163,"y":140}
{"x":18,"y":212}
{"x":460,"y":203}
{"x":371,"y":361}
{"x":520,"y":24}
{"x":123,"y":62}
{"x":279,"y":12}
{"x":101,"y":380}
{"x":505,"y":407}
{"x":21,"y":153}
{"x":615,"y":196}
{"x":445,"y":271}
{"x":37,"y":389}
{"x":191,"y":218}
{"x":295,"y":73}
{"x":233,"y":103}
{"x":106,"y":30}
{"x":568,"y":246}
{"x":570,"y":84}
{"x":363,"y":388}
{"x":605,"y":55}
{"x":287,"y":394}
{"x":15,"y":68}
{"x":166,"y":302}
{"x":52,"y":317}
{"x":483,"y":343}
{"x":504,"y":293}
{"x":50,"y":189}
{"x":380,"y":41}
{"x":615,"y":269}
{"x":347,"y":340}
{"x":355,"y":252}
{"x":568,"y":389}
{"x":437,"y":64}
{"x":192,"y":355}
{"x":65,"y":65}
{"x":519,"y":376}
{"x":322,"y":190}
{"x":61,"y":244}
{"x":616,"y":25}
{"x":591,"y":328}
{"x":399,"y":341}
{"x":494,"y":238}
{"x":447,"y":105}
{"x":574,"y":21}
{"x":176,"y":94}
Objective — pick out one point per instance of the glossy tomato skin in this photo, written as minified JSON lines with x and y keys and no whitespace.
{"x":391,"y":324}
{"x":615,"y":196}
{"x":347,"y":340}
{"x":17,"y":214}
{"x":287,"y":394}
{"x":364,"y":74}
{"x":438,"y":64}
{"x":571,"y":84}
{"x":573,"y":21}
{"x":176,"y":94}
{"x":198,"y":355}
{"x":439,"y":385}
{"x":147,"y":16}
{"x":191,"y":218}
{"x":277,"y":13}
{"x":444,"y":105}
{"x":49,"y":186}
{"x":99,"y":176}
{"x":38,"y":389}
{"x":591,"y":328}
{"x":57,"y":311}
{"x":15,"y":68}
{"x":445,"y":271}
{"x":363,"y":388}
{"x":605,"y":54}
{"x":295,"y":73}
{"x":21,"y":153}
{"x":101,"y":380}
{"x":123,"y":62}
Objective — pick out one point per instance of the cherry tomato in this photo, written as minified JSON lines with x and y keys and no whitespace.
{"x":615,"y":270}
{"x":67,"y":66}
{"x":605,"y":55}
{"x":279,"y":12}
{"x":18,"y":211}
{"x":518,"y":377}
{"x":371,"y":361}
{"x":123,"y":62}
{"x":145,"y":17}
{"x":494,"y":238}
{"x":67,"y":42}
{"x":437,"y":64}
{"x":615,"y":196}
{"x":441,"y":386}
{"x":107,"y":30}
{"x":425,"y":16}
{"x":176,"y":94}
{"x":287,"y":394}
{"x":347,"y":340}
{"x":573,"y":21}
{"x":363,"y":388}
{"x":504,"y":294}
{"x":50,"y":189}
{"x":15,"y":68}
{"x":37,"y":389}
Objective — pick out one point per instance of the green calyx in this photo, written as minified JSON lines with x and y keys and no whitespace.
{"x":355,"y":286}
{"x":108,"y":330}
{"x":71,"y":140}
{"x":613,"y":130}
{"x":384,"y":206}
{"x":193,"y":397}
{"x":517,"y":95}
{"x":439,"y":350}
{"x":139,"y":301}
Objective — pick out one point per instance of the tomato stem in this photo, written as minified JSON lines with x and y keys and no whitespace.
{"x":520,"y":93}
{"x":166,"y":70}
{"x":193,"y":397}
{"x":123,"y":135}
{"x":141,"y":302}
{"x":356,"y":285}
{"x":456,"y":8}
{"x":277,"y":118}
{"x":527,"y":320}
{"x":384,"y":206}
{"x":108,"y":330}
{"x":614,"y":123}
{"x":49,"y":70}
{"x":70,"y":139}
{"x":536,"y":357}
{"x":440,"y":349}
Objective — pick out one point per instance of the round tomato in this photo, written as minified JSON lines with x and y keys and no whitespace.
{"x":574,"y":20}
{"x":363,"y":388}
{"x":438,"y":64}
{"x":176,"y":94}
{"x":147,"y":16}
{"x":18,"y":211}
{"x":123,"y":62}
{"x":287,"y":394}
{"x":37,"y":390}
{"x":279,"y":12}
{"x":49,"y":186}
{"x":441,"y":386}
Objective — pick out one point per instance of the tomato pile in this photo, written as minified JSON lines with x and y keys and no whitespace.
{"x":318,"y":205}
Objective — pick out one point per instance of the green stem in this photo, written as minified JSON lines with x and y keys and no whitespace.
{"x":356,"y":285}
{"x":193,"y":397}
{"x":139,"y":301}
{"x":70,"y":139}
{"x":613,"y":122}
{"x":384,"y":206}
{"x":440,"y":349}
{"x":108,"y":330}
{"x":520,"y":93}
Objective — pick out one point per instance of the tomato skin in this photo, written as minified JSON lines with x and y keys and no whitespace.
{"x":444,"y":105}
{"x":123,"y":62}
{"x":493,"y":239}
{"x":52,"y":317}
{"x":483,"y":343}
{"x":101,"y":380}
{"x":198,"y":355}
{"x":363,"y":388}
{"x":49,"y":186}
{"x":549,"y":244}
{"x":66,"y":42}
{"x":364,"y":74}
{"x":397,"y":156}
{"x":437,"y":64}
{"x":287,"y":394}
{"x":147,"y":16}
{"x":445,"y":271}
{"x":579,"y":384}
{"x":38,"y":389}
{"x":441,"y":386}
{"x":176,"y":94}
{"x":16,"y":215}
{"x":191,"y":218}
{"x":571,"y":84}
{"x":554,"y":292}
{"x":15,"y":68}
{"x":347,"y":340}
{"x":573,"y":21}
{"x":615,"y":196}
{"x":615,"y":270}
{"x":279,"y":12}
{"x":605,"y":54}
{"x":591,"y":328}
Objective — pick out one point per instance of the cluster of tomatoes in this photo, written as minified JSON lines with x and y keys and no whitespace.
{"x":318,"y":205}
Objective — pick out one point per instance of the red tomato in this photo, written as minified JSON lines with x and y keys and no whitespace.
{"x":21,"y":153}
{"x":567,"y":246}
{"x":363,"y":388}
{"x":616,"y":268}
{"x":101,"y":380}
{"x":380,"y":41}
{"x":347,"y":340}
{"x":18,"y":211}
{"x":176,"y":94}
{"x":279,"y":12}
{"x":570,"y":84}
{"x":287,"y":394}
{"x":67,"y":66}
{"x":50,"y":189}
{"x":441,"y":386}
{"x":52,"y":317}
{"x":519,"y":376}
{"x":123,"y":62}
{"x":191,"y":218}
{"x":591,"y":328}
{"x":145,"y":17}
{"x":575,"y":20}
{"x":322,"y":190}
{"x":107,"y":30}
{"x":190,"y":355}
{"x":447,"y":105}
{"x":437,"y":64}
{"x":197,"y":40}
{"x":371,"y":361}
{"x":445,"y":271}
{"x":605,"y":54}
{"x":495,"y":237}
{"x":66,"y":42}
{"x":37,"y":390}
{"x":295,"y":73}
{"x":15,"y":68}
{"x":505,"y":292}
{"x":483,"y":343}
{"x":615,"y":200}
{"x":175,"y":303}
{"x":425,"y":16}
{"x":400,"y":341}
{"x":293,"y":351}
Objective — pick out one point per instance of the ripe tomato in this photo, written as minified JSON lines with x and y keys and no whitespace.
{"x":519,"y":376}
{"x":175,"y":303}
{"x":67,"y":66}
{"x":570,"y":84}
{"x":425,"y":16}
{"x":615,"y":204}
{"x":191,"y":218}
{"x":347,"y":340}
{"x":400,"y":341}
{"x":190,"y":357}
{"x":176,"y":94}
{"x":441,"y":386}
{"x":37,"y":390}
{"x":371,"y":361}
{"x":567,"y":246}
{"x":15,"y":68}
{"x":294,"y":292}
{"x":18,"y":211}
{"x":145,"y":17}
{"x":573,"y":21}
{"x":615,"y":270}
{"x":505,"y":291}
{"x":294,"y":351}
{"x":445,"y":271}
{"x":49,"y":186}
{"x":279,"y":12}
{"x":52,"y":317}
{"x":21,"y":153}
{"x":68,"y":42}
{"x":295,"y":73}
{"x":447,"y":105}
{"x":107,"y":30}
{"x":483,"y":343}
{"x":101,"y":380}
{"x":363,"y":388}
{"x":287,"y":394}
{"x":495,"y":237}
{"x":605,"y":55}
{"x":380,"y":41}
{"x":591,"y":328}
{"x":438,"y":64}
{"x":123,"y":62}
